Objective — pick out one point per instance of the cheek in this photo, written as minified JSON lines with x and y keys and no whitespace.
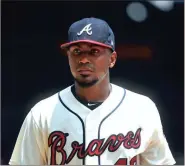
{"x":72,"y":63}
{"x":103,"y":66}
{"x":72,"y":66}
{"x":103,"y":63}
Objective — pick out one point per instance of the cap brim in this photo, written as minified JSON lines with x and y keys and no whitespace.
{"x":63,"y":46}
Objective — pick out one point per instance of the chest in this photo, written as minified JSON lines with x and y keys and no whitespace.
{"x":95,"y":139}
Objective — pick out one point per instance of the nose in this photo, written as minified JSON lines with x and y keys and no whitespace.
{"x":84,"y":60}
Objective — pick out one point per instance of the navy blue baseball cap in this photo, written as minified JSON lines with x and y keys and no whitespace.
{"x":91,"y":30}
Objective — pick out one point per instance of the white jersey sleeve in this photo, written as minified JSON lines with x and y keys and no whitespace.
{"x":29,"y":148}
{"x":158,"y":151}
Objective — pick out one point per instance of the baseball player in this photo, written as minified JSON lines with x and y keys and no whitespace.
{"x":92,"y":122}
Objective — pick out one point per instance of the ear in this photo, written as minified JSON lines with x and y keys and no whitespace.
{"x":113,"y":59}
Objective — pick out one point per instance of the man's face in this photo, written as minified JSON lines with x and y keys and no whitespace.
{"x":90,"y":63}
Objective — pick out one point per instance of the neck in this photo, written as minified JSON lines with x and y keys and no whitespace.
{"x":96,"y":93}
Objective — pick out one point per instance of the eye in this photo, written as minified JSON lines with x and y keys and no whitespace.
{"x":76,"y":51}
{"x":94,"y":51}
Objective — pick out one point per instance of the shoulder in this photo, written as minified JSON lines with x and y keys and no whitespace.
{"x":133,"y":96}
{"x":50,"y":101}
{"x":142,"y":110}
{"x":46,"y":107}
{"x":139,"y":99}
{"x":136,"y":101}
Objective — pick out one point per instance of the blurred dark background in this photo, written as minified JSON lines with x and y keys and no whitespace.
{"x":149,"y":42}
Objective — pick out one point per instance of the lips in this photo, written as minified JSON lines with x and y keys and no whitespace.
{"x":84,"y":71}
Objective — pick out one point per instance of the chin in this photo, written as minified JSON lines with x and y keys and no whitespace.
{"x":85,"y":83}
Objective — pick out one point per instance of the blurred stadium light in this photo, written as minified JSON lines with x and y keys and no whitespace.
{"x":162,"y":4}
{"x":138,"y":11}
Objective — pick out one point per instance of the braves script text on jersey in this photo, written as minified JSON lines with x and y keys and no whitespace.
{"x":125,"y":129}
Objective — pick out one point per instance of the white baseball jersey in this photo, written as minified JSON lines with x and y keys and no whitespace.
{"x":124,"y":130}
